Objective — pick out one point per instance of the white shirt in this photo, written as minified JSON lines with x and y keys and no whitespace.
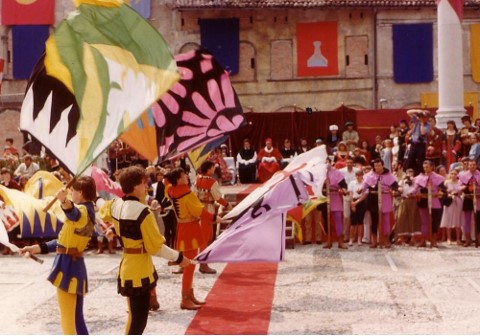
{"x":22,"y":169}
{"x":349,"y":176}
{"x":353,"y":188}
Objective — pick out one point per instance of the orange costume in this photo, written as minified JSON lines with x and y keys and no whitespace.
{"x":208,"y":192}
{"x":191,"y":217}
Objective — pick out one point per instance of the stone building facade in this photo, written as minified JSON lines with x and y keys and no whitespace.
{"x":268,"y":80}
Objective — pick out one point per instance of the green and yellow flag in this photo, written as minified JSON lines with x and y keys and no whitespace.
{"x":104,"y":66}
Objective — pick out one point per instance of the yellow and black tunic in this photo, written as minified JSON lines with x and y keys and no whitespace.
{"x":191,"y":216}
{"x":140,"y":237}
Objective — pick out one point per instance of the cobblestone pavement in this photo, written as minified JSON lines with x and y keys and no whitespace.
{"x":403,"y":290}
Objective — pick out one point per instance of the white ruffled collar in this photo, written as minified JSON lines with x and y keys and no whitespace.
{"x":268,"y":150}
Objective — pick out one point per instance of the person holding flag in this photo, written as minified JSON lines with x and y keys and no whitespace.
{"x":191,"y":217}
{"x":69,"y":273}
{"x":138,"y":231}
{"x":379,"y":179}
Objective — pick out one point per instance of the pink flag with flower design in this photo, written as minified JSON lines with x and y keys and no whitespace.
{"x":202,"y":107}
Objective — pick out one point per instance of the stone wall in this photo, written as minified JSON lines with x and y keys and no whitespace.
{"x":267,"y":80}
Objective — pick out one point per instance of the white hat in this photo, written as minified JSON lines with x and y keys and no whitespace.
{"x":333,"y":128}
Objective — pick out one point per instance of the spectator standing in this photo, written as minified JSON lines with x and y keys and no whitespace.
{"x":434,"y":143}
{"x":418,"y":139}
{"x":350,"y":136}
{"x":166,"y":211}
{"x":451,"y":144}
{"x":366,"y":151}
{"x":349,"y":174}
{"x":452,"y":210}
{"x":464,"y":134}
{"x":407,"y":218}
{"x":358,"y":159}
{"x":358,"y":206}
{"x":474,"y":153}
{"x":402,"y":142}
{"x":386,"y":154}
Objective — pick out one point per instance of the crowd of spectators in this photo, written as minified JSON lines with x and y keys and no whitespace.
{"x":411,"y":143}
{"x":403,"y":152}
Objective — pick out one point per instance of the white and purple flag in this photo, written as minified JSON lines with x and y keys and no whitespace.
{"x":257,"y":232}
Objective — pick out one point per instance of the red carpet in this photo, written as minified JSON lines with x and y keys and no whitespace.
{"x":239,"y":303}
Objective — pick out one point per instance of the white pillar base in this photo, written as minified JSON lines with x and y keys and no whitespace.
{"x":447,"y":113}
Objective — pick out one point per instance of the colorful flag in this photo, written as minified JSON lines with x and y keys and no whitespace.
{"x":43,"y":184}
{"x":28,"y":12}
{"x":6,"y":226}
{"x":104,"y":66}
{"x":28,"y":44}
{"x":310,"y":166}
{"x":317,"y":49}
{"x":413,"y":53}
{"x":246,"y":238}
{"x":200,"y":154}
{"x":257,"y":232}
{"x":33,"y":221}
{"x":142,"y":7}
{"x":298,"y":213}
{"x":104,"y":183}
{"x":199,"y":109}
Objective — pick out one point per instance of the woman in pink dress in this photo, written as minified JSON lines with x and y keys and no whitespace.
{"x":452,"y":213}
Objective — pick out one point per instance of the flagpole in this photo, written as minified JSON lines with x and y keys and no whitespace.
{"x":475,"y":210}
{"x":379,"y":213}
{"x":52,"y":202}
{"x":329,"y":234}
{"x":429,"y":190}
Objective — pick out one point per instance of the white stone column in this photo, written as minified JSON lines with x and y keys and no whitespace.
{"x":450,"y":63}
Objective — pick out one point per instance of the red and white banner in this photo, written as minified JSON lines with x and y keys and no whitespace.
{"x":317,"y":49}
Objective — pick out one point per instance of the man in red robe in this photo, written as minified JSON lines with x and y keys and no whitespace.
{"x":269,"y":161}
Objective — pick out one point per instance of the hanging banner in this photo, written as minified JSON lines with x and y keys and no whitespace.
{"x":317,"y":49}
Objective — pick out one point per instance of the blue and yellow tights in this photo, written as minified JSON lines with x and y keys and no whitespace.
{"x":71,"y":313}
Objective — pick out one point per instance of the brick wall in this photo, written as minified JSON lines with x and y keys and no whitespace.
{"x":9,"y":128}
